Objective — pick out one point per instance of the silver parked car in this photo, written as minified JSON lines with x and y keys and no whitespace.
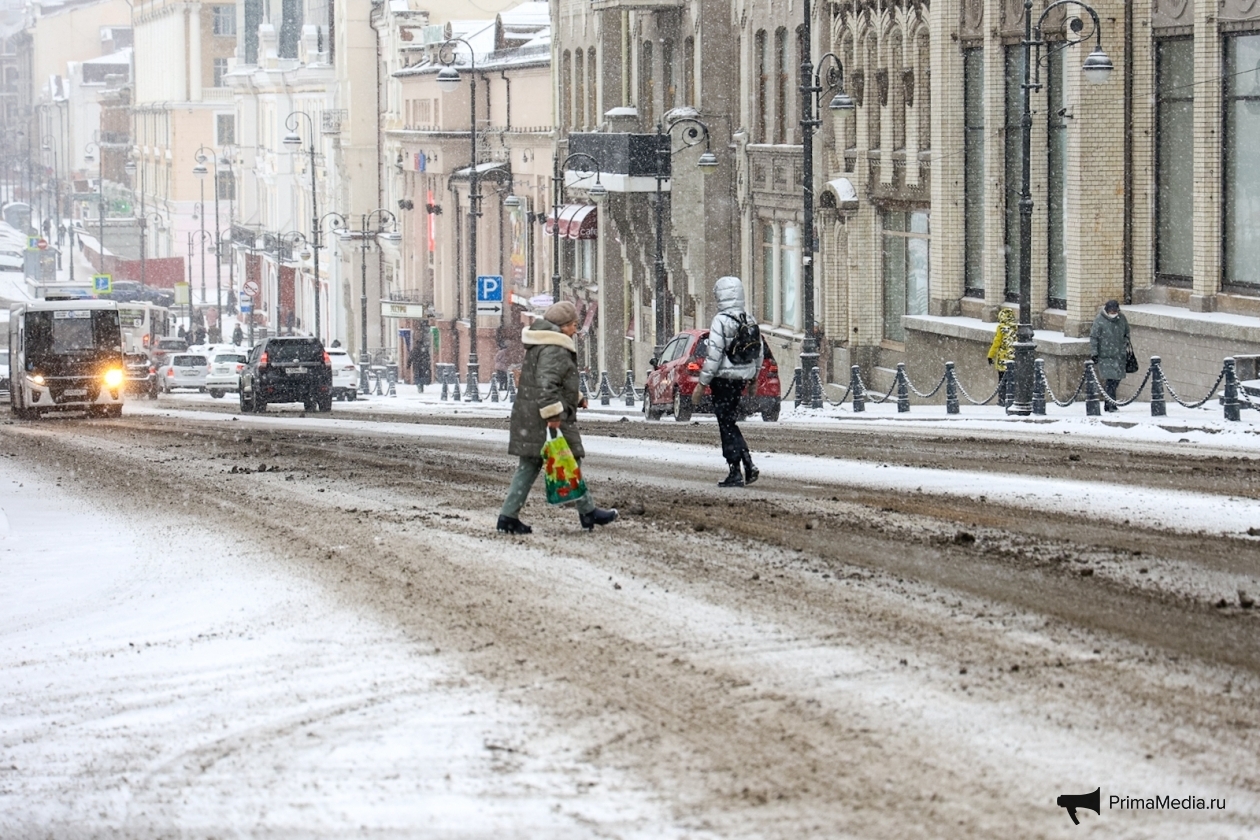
{"x":184,"y":370}
{"x":225,"y":372}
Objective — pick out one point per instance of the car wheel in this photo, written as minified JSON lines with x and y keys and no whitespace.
{"x":650,"y":412}
{"x":201,"y":389}
{"x":308,"y":405}
{"x":352,"y":394}
{"x":324,"y":405}
{"x":153,"y":392}
{"x":771,"y":415}
{"x":113,"y":411}
{"x":245,"y":405}
{"x":216,"y":393}
{"x":682,"y":407}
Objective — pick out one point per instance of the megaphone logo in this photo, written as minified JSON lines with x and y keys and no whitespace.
{"x":1072,"y":801}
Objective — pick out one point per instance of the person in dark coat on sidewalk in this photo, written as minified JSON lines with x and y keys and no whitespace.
{"x":548,"y":398}
{"x":421,"y":364}
{"x":1109,"y":346}
{"x":727,"y":380}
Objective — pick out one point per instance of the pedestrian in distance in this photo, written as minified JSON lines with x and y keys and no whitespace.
{"x":420,"y":363}
{"x":237,"y":335}
{"x":1109,"y":347}
{"x":548,"y":398}
{"x":1002,"y":352}
{"x":726,"y":372}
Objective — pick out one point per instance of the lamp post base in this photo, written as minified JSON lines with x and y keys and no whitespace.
{"x":364,"y":387}
{"x":473,"y":391}
{"x":1024,"y":364}
{"x":809,"y":362}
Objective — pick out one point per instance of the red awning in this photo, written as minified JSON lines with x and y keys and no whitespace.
{"x":577,"y":221}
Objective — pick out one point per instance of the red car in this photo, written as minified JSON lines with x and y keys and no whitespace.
{"x":677,"y":373}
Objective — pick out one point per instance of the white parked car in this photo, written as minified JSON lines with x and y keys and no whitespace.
{"x":345,"y":385}
{"x":225,"y":372}
{"x":184,"y":370}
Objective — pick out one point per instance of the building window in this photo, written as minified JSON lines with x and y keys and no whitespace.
{"x":973,"y":172}
{"x":566,"y":91}
{"x":763,"y":80}
{"x":782,"y":72}
{"x":647,"y":90}
{"x":789,"y":275}
{"x":670,"y":89}
{"x":768,"y":252}
{"x":689,"y":72}
{"x":592,"y":88}
{"x":579,"y":90}
{"x":223,"y":20}
{"x":290,"y":28}
{"x":1242,"y":161}
{"x":253,"y":13}
{"x":1174,"y":153}
{"x":227,"y":185}
{"x":906,"y":265}
{"x":225,"y":129}
{"x":1056,"y":183}
{"x":220,"y":70}
{"x":1014,"y":161}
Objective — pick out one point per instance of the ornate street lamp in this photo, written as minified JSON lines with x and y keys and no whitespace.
{"x":812,"y":88}
{"x":363,"y":234}
{"x":1097,"y":69}
{"x":695,"y":131}
{"x":598,"y":192}
{"x":294,"y":141}
{"x":204,"y":154}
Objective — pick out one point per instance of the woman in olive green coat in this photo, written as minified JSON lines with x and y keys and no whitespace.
{"x":548,"y":398}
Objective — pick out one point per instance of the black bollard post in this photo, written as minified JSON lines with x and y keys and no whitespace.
{"x":629,"y":389}
{"x":903,"y":389}
{"x":796,"y":388}
{"x":1158,"y":407}
{"x":584,"y":385}
{"x":511,"y":387}
{"x":605,"y":390}
{"x":951,"y":389}
{"x":494,"y":389}
{"x":1039,"y":387}
{"x":1092,"y":407}
{"x":455,"y":385}
{"x":855,"y":387}
{"x":1232,"y":407}
{"x":472,"y":390}
{"x":816,"y":397}
{"x":378,"y":392}
{"x":445,"y":385}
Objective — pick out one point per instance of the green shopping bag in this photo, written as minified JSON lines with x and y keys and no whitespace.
{"x":561,"y":470}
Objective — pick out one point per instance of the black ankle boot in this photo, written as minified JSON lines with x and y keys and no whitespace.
{"x":512,"y":525}
{"x":733,"y":479}
{"x":598,"y":516}
{"x":751,"y":473}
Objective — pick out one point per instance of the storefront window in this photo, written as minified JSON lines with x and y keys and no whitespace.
{"x":906,"y":268}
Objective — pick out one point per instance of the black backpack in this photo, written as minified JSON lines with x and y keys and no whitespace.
{"x":745,"y":345}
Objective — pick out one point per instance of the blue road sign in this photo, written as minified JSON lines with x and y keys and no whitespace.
{"x":489,"y":288}
{"x":246,"y":308}
{"x":102,"y":284}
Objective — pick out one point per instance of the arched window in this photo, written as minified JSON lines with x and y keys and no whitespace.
{"x":875,"y":95}
{"x":689,"y":72}
{"x":579,"y":91}
{"x":782,"y":71}
{"x":647,"y":91}
{"x":668,"y":89}
{"x":592,"y":90}
{"x":763,"y":73}
{"x":923,"y":92}
{"x":566,"y":89}
{"x":897,"y":92}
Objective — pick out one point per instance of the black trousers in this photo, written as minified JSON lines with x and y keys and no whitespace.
{"x":726,"y":394}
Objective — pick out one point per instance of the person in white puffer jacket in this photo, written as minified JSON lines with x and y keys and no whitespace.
{"x":727,"y":380}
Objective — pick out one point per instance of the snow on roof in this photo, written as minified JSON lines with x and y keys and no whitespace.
{"x":527,"y":14}
{"x":122,"y":56}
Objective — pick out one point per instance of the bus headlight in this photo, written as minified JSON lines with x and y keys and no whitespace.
{"x":113,"y":378}
{"x":36,"y":378}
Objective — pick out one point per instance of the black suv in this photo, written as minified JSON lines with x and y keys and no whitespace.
{"x":287,"y":369}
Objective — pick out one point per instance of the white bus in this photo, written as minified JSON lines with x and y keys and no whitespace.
{"x":143,"y":324}
{"x":66,"y":355}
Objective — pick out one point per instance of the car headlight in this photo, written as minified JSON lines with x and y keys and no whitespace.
{"x":113,"y":377}
{"x":36,"y":378}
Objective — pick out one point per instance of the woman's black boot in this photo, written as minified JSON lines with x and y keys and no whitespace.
{"x":750,"y":472}
{"x":734,"y":479}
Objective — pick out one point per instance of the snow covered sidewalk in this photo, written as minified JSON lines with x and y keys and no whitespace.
{"x":166,"y":681}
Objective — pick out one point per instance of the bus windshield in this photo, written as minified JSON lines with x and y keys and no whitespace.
{"x":66,"y":336}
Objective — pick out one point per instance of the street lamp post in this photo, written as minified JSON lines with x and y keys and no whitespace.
{"x":695,"y":131}
{"x":88,"y":157}
{"x":597,"y":192}
{"x":197,"y":236}
{"x":447,"y":81}
{"x":294,"y":141}
{"x":49,"y":146}
{"x":201,"y":170}
{"x":812,"y":88}
{"x":1097,"y":69}
{"x":383,"y":217}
